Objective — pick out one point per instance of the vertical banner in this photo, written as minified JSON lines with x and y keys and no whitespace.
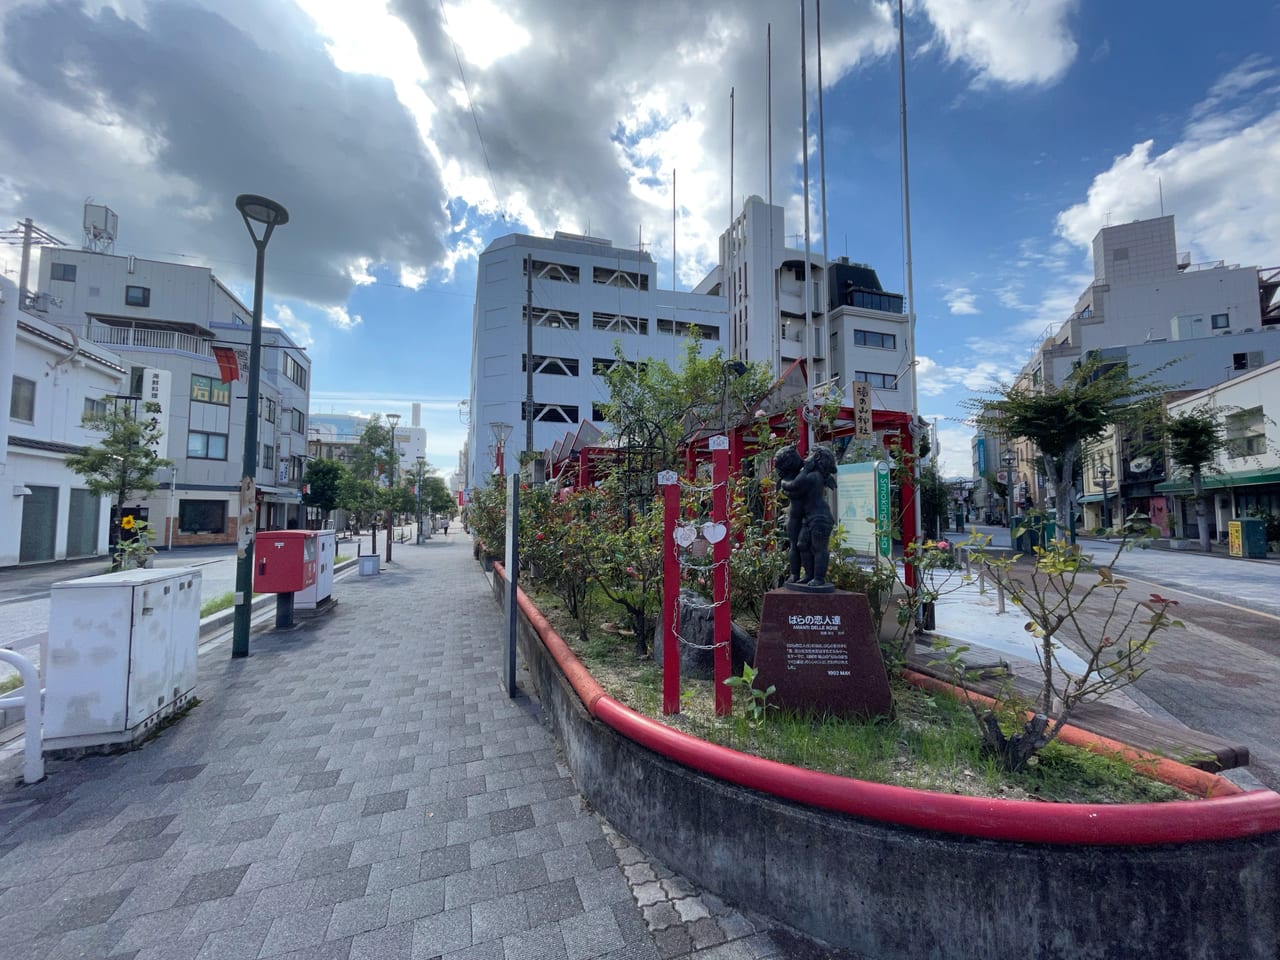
{"x":157,"y":387}
{"x":723,"y":660}
{"x":512,"y":566}
{"x":670,"y":484}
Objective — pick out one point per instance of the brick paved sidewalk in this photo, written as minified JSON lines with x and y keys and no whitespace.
{"x":358,"y":788}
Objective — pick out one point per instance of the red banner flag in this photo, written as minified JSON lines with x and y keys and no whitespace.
{"x":228,"y":366}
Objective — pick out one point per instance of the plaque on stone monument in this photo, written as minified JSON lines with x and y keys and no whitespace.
{"x":821,"y":653}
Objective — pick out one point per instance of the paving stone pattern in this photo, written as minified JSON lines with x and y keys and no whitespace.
{"x":360,"y":788}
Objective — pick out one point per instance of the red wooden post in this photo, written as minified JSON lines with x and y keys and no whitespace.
{"x":720,"y":581}
{"x":670,"y":592}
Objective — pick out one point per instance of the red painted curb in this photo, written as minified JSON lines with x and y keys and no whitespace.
{"x":1245,"y":814}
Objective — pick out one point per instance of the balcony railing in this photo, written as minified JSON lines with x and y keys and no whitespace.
{"x":150,"y":339}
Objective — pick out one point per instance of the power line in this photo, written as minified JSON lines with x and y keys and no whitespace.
{"x":493,"y":184}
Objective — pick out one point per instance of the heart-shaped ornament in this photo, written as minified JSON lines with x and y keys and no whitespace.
{"x":714,"y":532}
{"x":685,"y":534}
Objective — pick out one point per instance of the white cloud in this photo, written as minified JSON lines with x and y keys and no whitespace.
{"x":298,"y":329}
{"x":1015,"y":43}
{"x":1218,"y":178}
{"x":961,"y":301}
{"x":340,"y":318}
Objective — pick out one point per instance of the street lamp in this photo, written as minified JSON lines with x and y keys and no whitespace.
{"x":1009,"y":460}
{"x":393,"y":421}
{"x":422,"y":462}
{"x":500,"y":433}
{"x":253,"y":209}
{"x":1103,"y":481}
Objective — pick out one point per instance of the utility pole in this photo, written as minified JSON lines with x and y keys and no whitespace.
{"x":528,"y":356}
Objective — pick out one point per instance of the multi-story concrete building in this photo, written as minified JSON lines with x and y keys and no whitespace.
{"x":1245,"y":478}
{"x":331,"y":436}
{"x":165,"y":320}
{"x":587,"y":295}
{"x":859,"y":331}
{"x":1152,"y":309}
{"x":1144,"y":290}
{"x":51,"y":379}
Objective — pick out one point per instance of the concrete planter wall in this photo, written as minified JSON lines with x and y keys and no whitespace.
{"x":890,"y":891}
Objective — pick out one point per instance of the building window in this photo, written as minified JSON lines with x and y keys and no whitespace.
{"x":267,"y":409}
{"x":682,"y":329}
{"x":202,"y":516}
{"x":22,"y":400}
{"x":619,"y":323}
{"x":298,"y":420}
{"x":550,"y":317}
{"x":137,"y":296}
{"x":610,"y":277}
{"x":552,"y":412}
{"x":881,"y":381}
{"x":556,"y":366}
{"x":1246,"y":433}
{"x":206,"y":446}
{"x":597,"y":413}
{"x":1249,"y":360}
{"x":94,"y":407}
{"x":546,"y":270}
{"x":294,"y":371}
{"x":209,"y":390}
{"x":601,"y":366}
{"x":268,"y":453}
{"x":63,"y":271}
{"x":870,"y":338}
{"x":1220,"y":321}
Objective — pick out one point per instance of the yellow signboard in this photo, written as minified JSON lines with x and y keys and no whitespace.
{"x":1235,"y":538}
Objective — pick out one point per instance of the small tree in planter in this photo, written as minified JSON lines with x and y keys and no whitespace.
{"x":1054,"y":593}
{"x":487,"y":518}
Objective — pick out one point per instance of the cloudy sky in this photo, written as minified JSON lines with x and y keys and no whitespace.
{"x":1032,"y":124}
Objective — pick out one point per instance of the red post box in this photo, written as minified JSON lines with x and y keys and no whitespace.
{"x":284,"y":561}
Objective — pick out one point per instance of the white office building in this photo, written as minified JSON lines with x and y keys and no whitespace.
{"x":51,"y":379}
{"x":164,"y":320}
{"x":1145,"y":291}
{"x":859,"y":331}
{"x":587,"y":295}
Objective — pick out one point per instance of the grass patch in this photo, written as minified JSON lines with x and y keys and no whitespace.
{"x":930,"y":743}
{"x":340,"y":558}
{"x":219,"y":603}
{"x":10,"y":683}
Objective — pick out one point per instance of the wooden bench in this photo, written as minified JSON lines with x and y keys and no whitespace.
{"x":1192,"y":747}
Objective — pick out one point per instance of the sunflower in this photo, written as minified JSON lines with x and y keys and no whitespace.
{"x":127,"y":523}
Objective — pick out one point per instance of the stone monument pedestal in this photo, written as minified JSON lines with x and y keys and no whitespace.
{"x":821,"y":653}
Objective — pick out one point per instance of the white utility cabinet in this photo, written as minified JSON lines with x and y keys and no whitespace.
{"x":320,"y":591}
{"x":122,"y":655}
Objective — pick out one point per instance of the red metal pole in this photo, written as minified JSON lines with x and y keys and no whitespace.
{"x":670,"y":595}
{"x":720,"y":581}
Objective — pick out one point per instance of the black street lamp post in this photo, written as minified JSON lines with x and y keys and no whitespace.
{"x":1104,"y":480}
{"x":253,"y":209}
{"x":1009,"y":460}
{"x":422,"y":462}
{"x":393,"y":419}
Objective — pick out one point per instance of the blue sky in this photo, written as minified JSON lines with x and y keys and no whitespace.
{"x":1031,"y":124}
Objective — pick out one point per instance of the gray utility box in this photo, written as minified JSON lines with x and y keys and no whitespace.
{"x":319,"y":592}
{"x":122,"y":655}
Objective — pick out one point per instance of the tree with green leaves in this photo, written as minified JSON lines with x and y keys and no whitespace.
{"x":1062,"y":421}
{"x":124,"y":463}
{"x":651,"y":400}
{"x":323,"y":481}
{"x":1195,"y":437}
